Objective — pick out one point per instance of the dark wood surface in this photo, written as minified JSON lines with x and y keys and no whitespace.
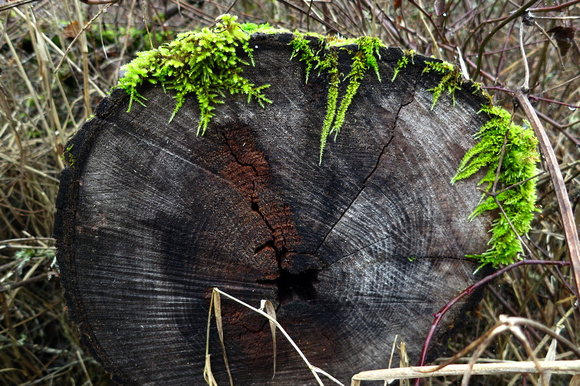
{"x":151,"y":217}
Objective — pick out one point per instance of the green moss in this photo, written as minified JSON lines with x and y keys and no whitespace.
{"x":265,"y":28}
{"x":324,"y":57}
{"x":205,"y":64}
{"x":451,"y":80}
{"x":403,"y":62}
{"x":516,"y":184}
{"x":201,"y":63}
{"x":68,"y":157}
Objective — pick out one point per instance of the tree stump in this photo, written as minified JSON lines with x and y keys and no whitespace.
{"x":365,"y":246}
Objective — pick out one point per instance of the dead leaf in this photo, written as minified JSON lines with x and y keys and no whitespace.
{"x":564,"y":37}
{"x":71,"y":30}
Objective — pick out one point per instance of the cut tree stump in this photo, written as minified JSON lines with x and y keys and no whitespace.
{"x":352,"y":252}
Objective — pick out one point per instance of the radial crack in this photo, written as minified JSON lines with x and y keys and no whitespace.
{"x":294,"y":280}
{"x":379,"y":158}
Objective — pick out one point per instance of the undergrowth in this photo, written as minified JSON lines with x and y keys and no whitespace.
{"x":41,"y":107}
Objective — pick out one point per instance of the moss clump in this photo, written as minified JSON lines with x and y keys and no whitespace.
{"x":324,"y":57}
{"x":202,"y":63}
{"x":451,"y":80}
{"x":402,"y":63}
{"x":515,"y":189}
{"x":69,"y":157}
{"x":515,"y":183}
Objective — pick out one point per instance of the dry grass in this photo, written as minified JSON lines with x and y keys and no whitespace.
{"x":41,"y":106}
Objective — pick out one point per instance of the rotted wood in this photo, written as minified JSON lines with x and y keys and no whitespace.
{"x":352,"y":252}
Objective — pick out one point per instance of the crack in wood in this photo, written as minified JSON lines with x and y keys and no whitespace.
{"x":250,"y":173}
{"x":364,"y":184}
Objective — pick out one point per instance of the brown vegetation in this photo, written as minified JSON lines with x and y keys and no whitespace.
{"x":59,"y":58}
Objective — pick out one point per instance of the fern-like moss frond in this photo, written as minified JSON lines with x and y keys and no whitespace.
{"x":402,"y":63}
{"x":325,"y":59}
{"x":451,"y":80}
{"x":515,"y":183}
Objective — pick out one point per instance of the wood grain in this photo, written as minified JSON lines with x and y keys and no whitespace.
{"x":152,"y":217}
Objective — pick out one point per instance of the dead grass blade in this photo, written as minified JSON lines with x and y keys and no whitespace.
{"x":554,"y":367}
{"x":270,"y":310}
{"x":404,"y":361}
{"x":207,"y":373}
{"x":313,"y":369}
{"x":216,"y":306}
{"x":566,"y":213}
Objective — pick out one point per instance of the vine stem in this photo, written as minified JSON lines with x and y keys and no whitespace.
{"x":439,"y":315}
{"x":570,"y":231}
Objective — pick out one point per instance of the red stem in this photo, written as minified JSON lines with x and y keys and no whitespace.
{"x":556,"y":7}
{"x":439,"y":315}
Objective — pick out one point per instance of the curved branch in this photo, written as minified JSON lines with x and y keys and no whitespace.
{"x":439,"y":315}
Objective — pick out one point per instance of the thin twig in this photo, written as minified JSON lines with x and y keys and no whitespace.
{"x":569,"y":105}
{"x":99,"y":2}
{"x":513,"y":16}
{"x":81,"y":32}
{"x":16,"y":3}
{"x":501,"y":155}
{"x":439,"y":315}
{"x":428,"y":16}
{"x":526,"y":85}
{"x":556,"y":7}
{"x":513,"y":228}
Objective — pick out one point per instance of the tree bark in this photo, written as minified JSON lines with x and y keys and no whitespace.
{"x":352,"y":252}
